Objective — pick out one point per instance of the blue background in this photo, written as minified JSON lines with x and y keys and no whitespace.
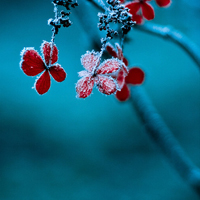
{"x":56,"y":146}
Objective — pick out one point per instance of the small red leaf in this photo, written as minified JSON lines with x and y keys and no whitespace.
{"x":106,"y":85}
{"x":84,"y":86}
{"x":134,"y":7}
{"x":147,"y":11}
{"x":90,"y":60}
{"x":32,"y":63}
{"x":124,"y":94}
{"x":110,"y":49}
{"x":57,"y":72}
{"x":135,"y":76}
{"x":42,"y":84}
{"x":109,"y":66}
{"x":46,"y":49}
{"x":137,"y":18}
{"x":121,"y":78}
{"x":119,"y":51}
{"x":163,"y":3}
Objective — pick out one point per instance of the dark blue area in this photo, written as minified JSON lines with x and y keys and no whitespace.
{"x":56,"y":146}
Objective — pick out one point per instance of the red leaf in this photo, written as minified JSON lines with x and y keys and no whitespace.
{"x":57,"y":72}
{"x":106,"y":85}
{"x":46,"y":49}
{"x":125,"y":61}
{"x":109,"y":66}
{"x":137,"y":18}
{"x":32,"y":63}
{"x":121,"y":78}
{"x":134,"y":7}
{"x":84,"y":86}
{"x":119,"y":51}
{"x":135,"y":76}
{"x":42,"y":84}
{"x":163,"y":3}
{"x":89,"y":60}
{"x":110,"y":49}
{"x":124,"y":94}
{"x":147,"y":11}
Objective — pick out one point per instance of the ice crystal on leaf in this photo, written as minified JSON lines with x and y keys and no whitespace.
{"x":32,"y":64}
{"x":97,"y":74}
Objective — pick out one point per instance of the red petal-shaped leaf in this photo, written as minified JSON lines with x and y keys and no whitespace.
{"x":84,"y":86}
{"x":111,"y":50}
{"x":135,"y":76}
{"x":122,"y":1}
{"x":119,"y":51}
{"x":46,"y":49}
{"x":147,"y":11}
{"x":31,"y":63}
{"x":57,"y":72}
{"x":106,"y":85}
{"x":42,"y":84}
{"x":124,"y":94}
{"x":121,"y":78}
{"x":125,"y":61}
{"x":109,"y":66}
{"x":163,"y":3}
{"x":137,"y":18}
{"x":134,"y":7}
{"x":90,"y":60}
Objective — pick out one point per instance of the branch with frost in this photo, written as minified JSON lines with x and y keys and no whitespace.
{"x":154,"y":124}
{"x":164,"y":138}
{"x":166,"y":32}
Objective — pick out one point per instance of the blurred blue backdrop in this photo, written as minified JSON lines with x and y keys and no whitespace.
{"x":56,"y":146}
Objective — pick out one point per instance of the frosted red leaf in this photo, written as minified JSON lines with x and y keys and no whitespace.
{"x":31,"y":63}
{"x":84,"y":87}
{"x":57,"y":72}
{"x":106,"y":85}
{"x":109,"y":66}
{"x":123,"y":94}
{"x":110,"y":49}
{"x":121,"y":78}
{"x":135,"y":76}
{"x":163,"y":3}
{"x":46,"y":50}
{"x":42,"y":84}
{"x":90,"y":60}
{"x":119,"y":51}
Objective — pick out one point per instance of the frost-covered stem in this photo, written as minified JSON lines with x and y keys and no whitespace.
{"x":164,"y":139}
{"x":169,"y":33}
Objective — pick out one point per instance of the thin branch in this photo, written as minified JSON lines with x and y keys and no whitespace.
{"x":175,"y":36}
{"x":169,"y":33}
{"x":164,"y":139}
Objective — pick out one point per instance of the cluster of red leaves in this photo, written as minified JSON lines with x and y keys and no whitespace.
{"x":135,"y":76}
{"x":140,"y":9}
{"x":97,"y":74}
{"x":32,"y":64}
{"x":111,"y":76}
